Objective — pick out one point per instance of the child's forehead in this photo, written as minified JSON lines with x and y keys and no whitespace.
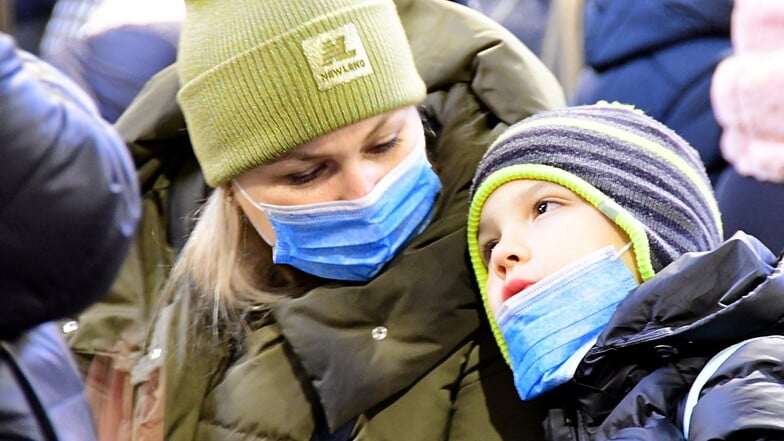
{"x":527,"y":187}
{"x":518,"y":193}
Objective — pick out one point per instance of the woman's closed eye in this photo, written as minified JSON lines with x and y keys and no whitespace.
{"x":307,"y":176}
{"x":386,"y":146}
{"x":316,"y":171}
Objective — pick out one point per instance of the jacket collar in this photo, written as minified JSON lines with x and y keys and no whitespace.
{"x":696,"y":306}
{"x":700,"y":296}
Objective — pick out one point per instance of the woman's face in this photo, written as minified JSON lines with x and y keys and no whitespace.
{"x":342,"y":165}
{"x":530,"y":229}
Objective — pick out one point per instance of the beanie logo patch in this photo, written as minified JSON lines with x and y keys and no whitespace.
{"x":337,"y":56}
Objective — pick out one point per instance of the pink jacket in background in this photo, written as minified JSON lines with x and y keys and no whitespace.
{"x":747,"y":93}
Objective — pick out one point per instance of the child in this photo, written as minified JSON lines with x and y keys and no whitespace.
{"x":596,"y":242}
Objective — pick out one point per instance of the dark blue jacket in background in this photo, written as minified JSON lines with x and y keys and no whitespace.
{"x":660,"y":56}
{"x":69,"y":201}
{"x":69,"y":206}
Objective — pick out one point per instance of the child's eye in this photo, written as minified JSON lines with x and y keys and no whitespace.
{"x":543,"y":207}
{"x":487,"y":250}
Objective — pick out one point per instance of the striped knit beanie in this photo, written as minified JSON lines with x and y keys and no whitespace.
{"x":636,"y":171}
{"x":261,"y":77}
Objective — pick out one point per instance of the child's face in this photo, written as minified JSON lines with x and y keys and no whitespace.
{"x":530,"y":229}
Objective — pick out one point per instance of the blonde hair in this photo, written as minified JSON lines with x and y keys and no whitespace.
{"x":228,"y":271}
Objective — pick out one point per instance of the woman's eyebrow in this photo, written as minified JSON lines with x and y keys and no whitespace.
{"x":379,"y":125}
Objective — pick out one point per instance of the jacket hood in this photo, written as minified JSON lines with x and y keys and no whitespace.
{"x":154,"y":127}
{"x":618,"y":30}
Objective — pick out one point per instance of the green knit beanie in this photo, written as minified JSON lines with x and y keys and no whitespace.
{"x":261,"y":77}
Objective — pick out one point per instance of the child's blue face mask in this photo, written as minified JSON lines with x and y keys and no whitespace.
{"x":549,"y":327}
{"x":353,"y":240}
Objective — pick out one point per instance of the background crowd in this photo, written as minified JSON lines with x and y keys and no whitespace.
{"x":660,"y":56}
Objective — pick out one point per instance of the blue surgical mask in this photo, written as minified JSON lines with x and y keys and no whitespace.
{"x":353,"y":240}
{"x":550,"y":326}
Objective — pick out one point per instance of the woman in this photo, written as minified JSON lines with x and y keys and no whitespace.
{"x":351,"y":327}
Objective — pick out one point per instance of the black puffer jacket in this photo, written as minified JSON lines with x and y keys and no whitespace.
{"x":69,"y":199}
{"x":69,"y":205}
{"x":633,"y":383}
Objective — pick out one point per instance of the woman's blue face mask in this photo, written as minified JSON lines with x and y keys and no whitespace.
{"x":353,"y":240}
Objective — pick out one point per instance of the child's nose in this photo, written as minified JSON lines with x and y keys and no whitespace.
{"x":507,"y":257}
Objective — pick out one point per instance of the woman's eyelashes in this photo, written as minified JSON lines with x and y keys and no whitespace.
{"x":307,"y":176}
{"x":379,"y":149}
{"x":312,"y":173}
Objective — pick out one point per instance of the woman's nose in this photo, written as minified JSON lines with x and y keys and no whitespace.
{"x":359,"y":180}
{"x":507,"y":256}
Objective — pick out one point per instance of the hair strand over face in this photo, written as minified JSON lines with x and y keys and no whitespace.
{"x":228,"y":271}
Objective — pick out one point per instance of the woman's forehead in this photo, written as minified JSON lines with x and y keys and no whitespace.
{"x":347,"y":137}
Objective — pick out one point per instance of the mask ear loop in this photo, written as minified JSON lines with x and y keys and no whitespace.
{"x":623,"y":249}
{"x":255,"y":204}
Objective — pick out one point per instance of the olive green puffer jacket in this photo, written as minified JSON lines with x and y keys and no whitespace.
{"x":406,"y":356}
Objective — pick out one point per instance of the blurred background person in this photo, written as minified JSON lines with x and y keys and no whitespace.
{"x":116,"y":46}
{"x":63,"y":23}
{"x":70,"y":206}
{"x":659,"y":55}
{"x":110,"y":48}
{"x":748,"y":98}
{"x":25,"y":21}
